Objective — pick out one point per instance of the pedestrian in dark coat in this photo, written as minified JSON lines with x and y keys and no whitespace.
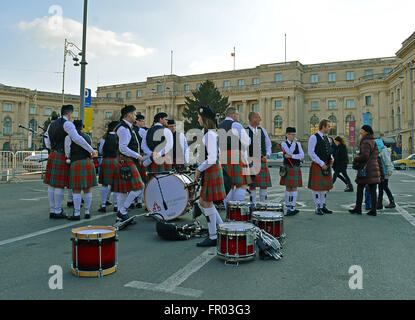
{"x":367,"y":159}
{"x":341,"y":160}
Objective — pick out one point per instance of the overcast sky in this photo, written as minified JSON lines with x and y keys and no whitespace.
{"x":129,"y":41}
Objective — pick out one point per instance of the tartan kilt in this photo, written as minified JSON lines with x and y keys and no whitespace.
{"x":82,"y":175}
{"x":159,"y":168}
{"x":294,"y":177}
{"x":213,"y":187}
{"x":106,"y":172}
{"x":263,"y":179}
{"x":57,"y":171}
{"x":317,"y":181}
{"x":143,"y":173}
{"x":125,"y":186}
{"x":236,"y":170}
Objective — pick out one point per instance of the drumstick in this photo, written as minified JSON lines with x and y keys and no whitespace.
{"x":289,"y":160}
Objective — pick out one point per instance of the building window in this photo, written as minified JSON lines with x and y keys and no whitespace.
{"x":226,"y":83}
{"x":158,"y":110}
{"x":387,"y":70}
{"x":255,"y":107}
{"x":333,"y":126}
{"x":350,"y":104}
{"x":128,"y":94}
{"x":255,"y":81}
{"x":277,"y":104}
{"x":392,"y":96}
{"x":332,"y":104}
{"x":108,"y":115}
{"x":399,"y":118}
{"x":369,"y":72}
{"x":7,"y":107}
{"x":109,"y":95}
{"x":118,"y":95}
{"x":7,"y":126}
{"x":187,"y":87}
{"x":139,"y":93}
{"x":241,"y":82}
{"x":314,"y":78}
{"x":48,"y":111}
{"x":32,"y":110}
{"x":278,"y":77}
{"x":349,"y":118}
{"x":278,"y":126}
{"x":393,"y":119}
{"x":198,"y":86}
{"x":349,"y":75}
{"x":368,"y":101}
{"x":332,"y":77}
{"x":33,"y":124}
{"x":314,"y":105}
{"x":240,"y":109}
{"x":159,"y":88}
{"x":314,"y":124}
{"x":398,"y":94}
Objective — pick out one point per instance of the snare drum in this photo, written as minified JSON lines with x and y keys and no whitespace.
{"x":270,"y":221}
{"x":236,"y":241}
{"x":94,"y":251}
{"x":269,"y":206}
{"x":239,"y":211}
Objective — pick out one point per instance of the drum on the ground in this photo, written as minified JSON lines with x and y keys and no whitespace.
{"x":94,"y":251}
{"x":239,"y":211}
{"x":271,"y":222}
{"x":169,"y":195}
{"x":236,"y":241}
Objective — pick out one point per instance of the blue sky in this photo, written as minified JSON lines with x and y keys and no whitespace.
{"x":129,"y":41}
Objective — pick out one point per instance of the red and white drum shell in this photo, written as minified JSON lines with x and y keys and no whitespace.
{"x":236,"y":241}
{"x":270,"y":221}
{"x":94,"y":251}
{"x":239,"y":211}
{"x":269,"y":206}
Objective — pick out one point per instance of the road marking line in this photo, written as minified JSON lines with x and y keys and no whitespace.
{"x":45,"y":231}
{"x":171,"y":285}
{"x":406,"y":174}
{"x":408,"y":217}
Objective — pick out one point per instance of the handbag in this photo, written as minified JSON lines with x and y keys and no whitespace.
{"x":362,"y":173}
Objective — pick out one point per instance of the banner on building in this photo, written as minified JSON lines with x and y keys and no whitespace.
{"x":352,"y":134}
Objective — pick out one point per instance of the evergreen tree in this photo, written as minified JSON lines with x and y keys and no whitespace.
{"x":207,"y":94}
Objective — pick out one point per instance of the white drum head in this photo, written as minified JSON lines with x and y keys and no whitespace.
{"x":269,"y":215}
{"x":94,"y":231}
{"x":236,"y":226}
{"x":176,"y":196}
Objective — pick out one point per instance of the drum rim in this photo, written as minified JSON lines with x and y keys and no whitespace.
{"x":188,"y":196}
{"x":250,"y":227}
{"x":93,"y":274}
{"x":259,"y":215}
{"x":77,"y":235}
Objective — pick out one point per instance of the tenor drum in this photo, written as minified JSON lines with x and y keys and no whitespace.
{"x":94,"y":251}
{"x":270,"y":221}
{"x":236,"y":241}
{"x":239,"y":211}
{"x":169,"y":195}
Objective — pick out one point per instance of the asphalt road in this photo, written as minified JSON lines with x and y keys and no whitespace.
{"x":318,"y":253}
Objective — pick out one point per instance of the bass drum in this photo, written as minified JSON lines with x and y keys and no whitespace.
{"x":169,"y":195}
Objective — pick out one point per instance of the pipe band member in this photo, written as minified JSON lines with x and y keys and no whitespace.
{"x":293,"y":155}
{"x":180,"y":147}
{"x":320,"y":179}
{"x":213,"y":188}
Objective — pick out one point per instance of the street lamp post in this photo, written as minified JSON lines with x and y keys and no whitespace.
{"x":67,"y":51}
{"x":411,"y":68}
{"x":83,"y":63}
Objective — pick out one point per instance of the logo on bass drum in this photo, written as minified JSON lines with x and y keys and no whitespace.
{"x":156,"y":207}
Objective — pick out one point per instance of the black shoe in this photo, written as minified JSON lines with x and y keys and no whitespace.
{"x":87,"y":216}
{"x":102,"y":210}
{"x":349,"y":188}
{"x":354,"y":211}
{"x":326,"y":211}
{"x":291,"y":213}
{"x":115,"y":209}
{"x":372,"y":213}
{"x":391,"y":205}
{"x":319,"y":212}
{"x":132,"y":206}
{"x":60,"y":215}
{"x":108,"y":203}
{"x":379,"y":206}
{"x":69,"y":204}
{"x":124,"y":217}
{"x":51,"y":215}
{"x":74,"y":218}
{"x":208,"y":243}
{"x":139,"y":205}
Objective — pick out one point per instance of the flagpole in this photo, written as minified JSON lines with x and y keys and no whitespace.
{"x":285,"y":35}
{"x":234,"y":58}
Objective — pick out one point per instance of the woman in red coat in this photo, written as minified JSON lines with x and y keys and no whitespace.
{"x":367,"y":159}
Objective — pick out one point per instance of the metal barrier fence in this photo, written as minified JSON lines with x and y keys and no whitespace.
{"x":15,"y":165}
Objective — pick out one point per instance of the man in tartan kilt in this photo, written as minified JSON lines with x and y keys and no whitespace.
{"x":127,"y":180}
{"x":82,"y":174}
{"x":233,"y":141}
{"x":108,"y":148}
{"x":213,"y":188}
{"x":293,"y":154}
{"x":157,"y":145}
{"x":57,"y":170}
{"x":141,"y":132}
{"x":320,"y":179}
{"x":259,"y":151}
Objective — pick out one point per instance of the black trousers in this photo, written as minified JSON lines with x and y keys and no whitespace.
{"x":384,"y":186}
{"x":359,"y":196}
{"x":342,"y":175}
